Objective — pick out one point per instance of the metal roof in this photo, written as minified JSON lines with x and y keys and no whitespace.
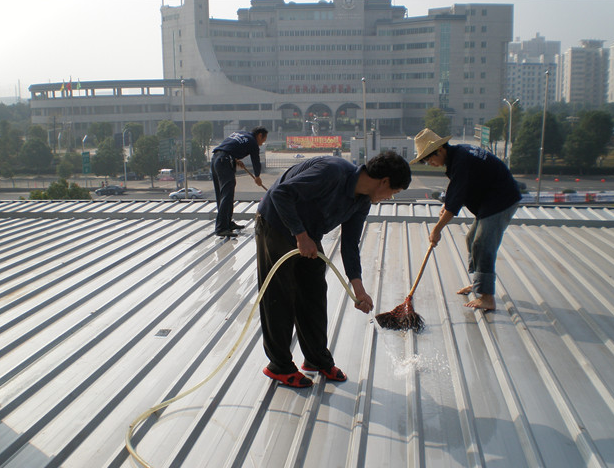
{"x":108,"y":308}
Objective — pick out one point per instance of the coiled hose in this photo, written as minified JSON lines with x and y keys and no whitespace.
{"x":140,"y":419}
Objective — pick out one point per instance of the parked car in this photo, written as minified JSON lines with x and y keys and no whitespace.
{"x":202,"y":176}
{"x":131,"y":176}
{"x":110,"y":190}
{"x":180,"y":194}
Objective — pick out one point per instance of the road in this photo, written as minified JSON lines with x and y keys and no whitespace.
{"x":422,"y":187}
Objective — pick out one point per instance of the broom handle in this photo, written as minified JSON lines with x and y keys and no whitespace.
{"x":242,"y":166}
{"x":426,"y":257}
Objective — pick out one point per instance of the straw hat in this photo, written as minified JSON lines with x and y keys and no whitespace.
{"x":426,"y":142}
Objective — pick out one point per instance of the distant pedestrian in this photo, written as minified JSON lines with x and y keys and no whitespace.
{"x":483,"y":183}
{"x":223,"y":168}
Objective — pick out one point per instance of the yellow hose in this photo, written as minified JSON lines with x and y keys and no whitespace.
{"x":140,"y":419}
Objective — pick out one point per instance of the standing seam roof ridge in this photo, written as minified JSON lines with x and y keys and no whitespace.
{"x":582,"y":360}
{"x":12,"y":244}
{"x":10,"y":236}
{"x":59,"y":315}
{"x":600,"y":252}
{"x":510,"y":394}
{"x":473,"y":449}
{"x":571,"y":418}
{"x":71,"y":273}
{"x":568,"y":248}
{"x":85,"y":234}
{"x":60,"y":406}
{"x":180,"y":382}
{"x":572,"y":301}
{"x":573,"y":271}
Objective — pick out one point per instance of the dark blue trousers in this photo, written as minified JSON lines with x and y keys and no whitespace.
{"x":223,"y":168}
{"x":295,"y":299}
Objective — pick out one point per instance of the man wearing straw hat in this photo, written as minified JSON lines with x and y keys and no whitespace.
{"x":481,"y":182}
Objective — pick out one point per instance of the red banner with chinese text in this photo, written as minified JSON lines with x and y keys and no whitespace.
{"x":298,"y":142}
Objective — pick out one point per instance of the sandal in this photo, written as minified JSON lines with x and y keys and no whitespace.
{"x":295,"y":379}
{"x":334,"y":373}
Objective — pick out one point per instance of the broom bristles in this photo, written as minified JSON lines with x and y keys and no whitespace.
{"x":402,"y":317}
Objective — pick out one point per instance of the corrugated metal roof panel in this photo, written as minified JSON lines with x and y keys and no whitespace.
{"x":108,"y":309}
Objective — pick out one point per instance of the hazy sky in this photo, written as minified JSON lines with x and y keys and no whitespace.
{"x":49,"y":41}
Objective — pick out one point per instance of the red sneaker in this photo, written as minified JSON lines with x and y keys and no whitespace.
{"x":293,"y":380}
{"x":334,"y":373}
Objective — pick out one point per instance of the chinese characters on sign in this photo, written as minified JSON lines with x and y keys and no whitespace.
{"x":297,"y":142}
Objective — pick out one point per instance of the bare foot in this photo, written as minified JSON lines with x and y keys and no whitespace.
{"x":486,"y":302}
{"x":465,"y":290}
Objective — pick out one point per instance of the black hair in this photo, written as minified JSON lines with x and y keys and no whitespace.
{"x":392,"y":165}
{"x":259,"y":130}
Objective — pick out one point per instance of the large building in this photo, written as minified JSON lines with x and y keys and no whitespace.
{"x":527,"y":64}
{"x":284,"y":65}
{"x":583,"y":77}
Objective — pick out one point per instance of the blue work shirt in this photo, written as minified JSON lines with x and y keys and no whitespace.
{"x":478,"y":180}
{"x":317,"y":196}
{"x":239,"y":145}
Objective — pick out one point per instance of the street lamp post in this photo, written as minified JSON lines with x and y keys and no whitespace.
{"x":541,"y":146}
{"x":509,"y":129}
{"x":124,"y":155}
{"x":185,"y":161}
{"x":364,"y":114}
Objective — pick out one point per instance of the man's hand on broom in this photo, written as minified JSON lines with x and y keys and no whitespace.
{"x":365,"y":303}
{"x":257,"y":180}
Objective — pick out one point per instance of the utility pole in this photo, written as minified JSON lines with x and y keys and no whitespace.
{"x":541,"y":146}
{"x":509,"y":130}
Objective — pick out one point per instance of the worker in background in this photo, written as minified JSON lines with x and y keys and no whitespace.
{"x":306,"y":202}
{"x":483,"y":183}
{"x":223,"y":168}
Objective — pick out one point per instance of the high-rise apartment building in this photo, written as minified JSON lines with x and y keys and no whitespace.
{"x":527,"y":64}
{"x":583,"y":76}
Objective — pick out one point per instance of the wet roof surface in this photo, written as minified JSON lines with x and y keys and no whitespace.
{"x":109,"y":308}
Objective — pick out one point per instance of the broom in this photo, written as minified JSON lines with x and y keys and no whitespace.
{"x":242,"y":166}
{"x":403,"y":316}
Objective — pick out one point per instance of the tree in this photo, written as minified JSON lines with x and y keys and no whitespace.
{"x":36,"y":154}
{"x":526,"y":149}
{"x":135,"y":129}
{"x":588,"y":139}
{"x":496,"y":126}
{"x":64,"y":169}
{"x":60,"y":190}
{"x":438,"y":121}
{"x":36,"y":131}
{"x":145,"y":159}
{"x":75,"y":160}
{"x":202,"y":132}
{"x":196,"y":158}
{"x":100,"y":131}
{"x":108,"y":160}
{"x":167,"y":129}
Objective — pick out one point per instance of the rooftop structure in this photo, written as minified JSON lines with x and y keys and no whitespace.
{"x":281,"y":64}
{"x":108,"y":308}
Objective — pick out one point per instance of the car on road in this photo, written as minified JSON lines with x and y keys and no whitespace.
{"x":202,"y":176}
{"x":180,"y":194}
{"x":110,"y":190}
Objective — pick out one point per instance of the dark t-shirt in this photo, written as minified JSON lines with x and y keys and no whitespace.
{"x":317,"y":196}
{"x":239,"y":145}
{"x":478,"y":180}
